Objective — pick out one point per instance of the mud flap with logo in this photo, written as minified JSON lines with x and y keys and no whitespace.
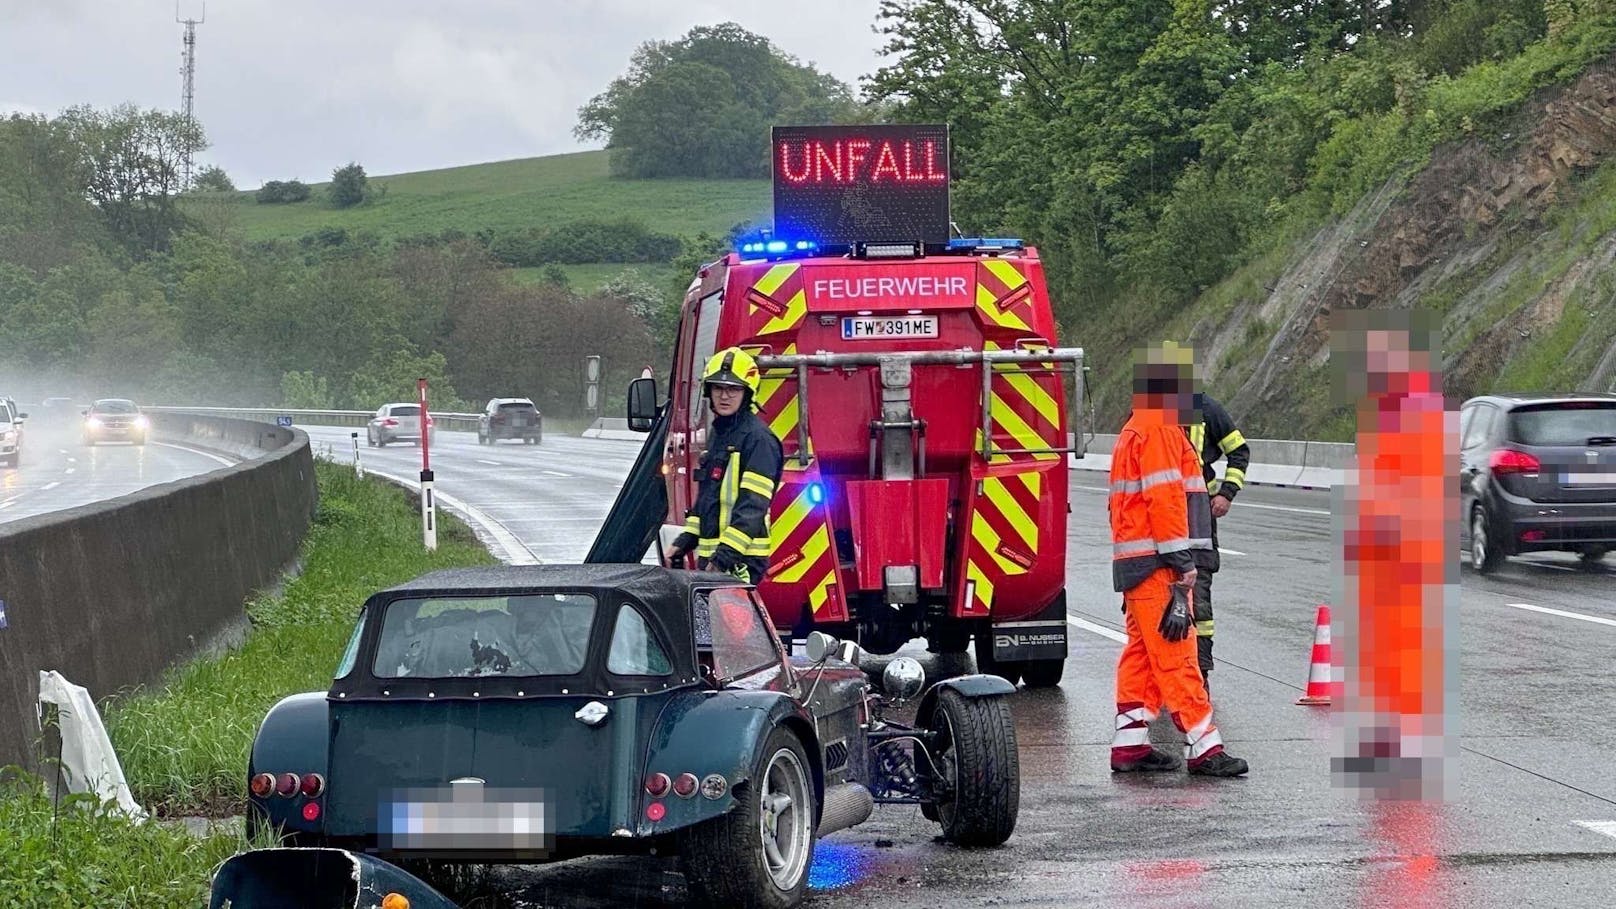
{"x":1039,"y":637}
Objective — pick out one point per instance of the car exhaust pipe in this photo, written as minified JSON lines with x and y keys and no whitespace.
{"x":846,"y":805}
{"x":316,"y":879}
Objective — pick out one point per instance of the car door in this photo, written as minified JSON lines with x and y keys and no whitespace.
{"x":1467,"y":470}
{"x":1474,"y":451}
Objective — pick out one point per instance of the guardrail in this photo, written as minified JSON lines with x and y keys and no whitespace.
{"x":450,"y":422}
{"x":111,"y":593}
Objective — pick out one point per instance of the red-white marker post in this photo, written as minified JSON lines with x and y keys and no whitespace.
{"x":429,"y":505}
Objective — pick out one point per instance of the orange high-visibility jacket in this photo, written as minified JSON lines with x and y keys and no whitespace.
{"x":1160,"y":512}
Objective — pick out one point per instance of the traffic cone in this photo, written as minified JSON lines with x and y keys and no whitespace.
{"x":1318,"y":674}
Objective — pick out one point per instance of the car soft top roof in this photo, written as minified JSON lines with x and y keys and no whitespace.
{"x":665,"y":595}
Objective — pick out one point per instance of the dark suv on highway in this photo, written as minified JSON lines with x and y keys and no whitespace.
{"x":510,"y":418}
{"x":1537,"y":473}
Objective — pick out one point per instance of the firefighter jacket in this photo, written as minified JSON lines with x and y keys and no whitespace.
{"x":1161,"y":516}
{"x":736,"y":483}
{"x":1216,"y":437}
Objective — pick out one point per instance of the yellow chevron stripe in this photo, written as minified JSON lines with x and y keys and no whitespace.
{"x":791,"y":318}
{"x":776,"y":276}
{"x":1035,"y":395}
{"x":1034,"y":481}
{"x":993,"y":488}
{"x":984,"y":587}
{"x":1011,"y":422}
{"x":790,"y":519}
{"x":821,"y":592}
{"x":988,"y":541}
{"x":785,"y":423}
{"x":990,"y":311}
{"x":1006,"y":272}
{"x":818,"y":544}
{"x":767,"y":387}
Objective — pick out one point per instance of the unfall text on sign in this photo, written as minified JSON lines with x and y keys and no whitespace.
{"x":851,"y":162}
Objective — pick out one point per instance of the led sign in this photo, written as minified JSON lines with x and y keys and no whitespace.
{"x":846,"y":184}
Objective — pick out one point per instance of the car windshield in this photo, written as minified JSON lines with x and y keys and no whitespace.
{"x":114,"y":407}
{"x":1570,"y":423}
{"x":544,"y":634}
{"x":406,"y":410}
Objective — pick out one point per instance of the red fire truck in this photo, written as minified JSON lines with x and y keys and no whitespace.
{"x":920,"y":399}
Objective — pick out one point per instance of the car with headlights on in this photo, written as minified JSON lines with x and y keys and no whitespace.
{"x":11,"y":426}
{"x":115,"y":420}
{"x":529,"y":714}
{"x":1537,"y":473}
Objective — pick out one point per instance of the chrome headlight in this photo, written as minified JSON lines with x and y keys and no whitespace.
{"x":93,"y":422}
{"x":903,"y":679}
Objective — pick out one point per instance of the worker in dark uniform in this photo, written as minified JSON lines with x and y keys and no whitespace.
{"x":1213,"y":438}
{"x":728,"y":526}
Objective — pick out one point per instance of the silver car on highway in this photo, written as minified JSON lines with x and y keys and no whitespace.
{"x":10,"y":433}
{"x":397,"y":423}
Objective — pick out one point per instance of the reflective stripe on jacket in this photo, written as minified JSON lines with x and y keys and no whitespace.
{"x":1161,"y":515}
{"x":737,"y":479}
{"x":1217,"y":437}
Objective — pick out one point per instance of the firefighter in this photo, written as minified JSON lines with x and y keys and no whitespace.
{"x":728,"y":526}
{"x":1214,"y":436}
{"x":1160,"y":517}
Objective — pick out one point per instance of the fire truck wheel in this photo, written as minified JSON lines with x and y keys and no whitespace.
{"x":1043,"y":673}
{"x":980,"y":759}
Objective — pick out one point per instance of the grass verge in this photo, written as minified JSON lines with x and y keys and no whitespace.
{"x":184,"y":745}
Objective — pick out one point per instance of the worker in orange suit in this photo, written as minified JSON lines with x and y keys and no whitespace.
{"x":1160,"y":516}
{"x":1401,"y":527}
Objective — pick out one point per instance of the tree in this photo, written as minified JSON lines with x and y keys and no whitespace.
{"x":213,"y":179}
{"x":305,"y":391}
{"x":701,"y":106}
{"x":348,"y":186}
{"x":132,"y":175}
{"x":276,"y":192}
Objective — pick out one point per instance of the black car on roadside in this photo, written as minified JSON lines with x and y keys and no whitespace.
{"x":1537,"y":473}
{"x":510,"y":418}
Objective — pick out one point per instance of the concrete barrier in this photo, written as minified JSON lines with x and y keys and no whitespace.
{"x":613,"y":428}
{"x":110,"y":594}
{"x":1290,"y":463}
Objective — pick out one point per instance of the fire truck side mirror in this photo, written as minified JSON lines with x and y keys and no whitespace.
{"x":642,"y":404}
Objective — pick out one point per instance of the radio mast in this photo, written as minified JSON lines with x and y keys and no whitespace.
{"x":188,"y":75}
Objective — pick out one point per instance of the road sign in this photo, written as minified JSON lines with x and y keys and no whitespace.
{"x":2,"y":613}
{"x":592,"y":369}
{"x":283,"y":420}
{"x":592,"y":397}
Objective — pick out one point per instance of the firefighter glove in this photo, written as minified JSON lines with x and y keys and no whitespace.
{"x":1175,"y":624}
{"x":727,"y":561}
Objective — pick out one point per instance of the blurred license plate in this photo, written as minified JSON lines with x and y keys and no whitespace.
{"x":868,"y":328}
{"x":1588,"y":479}
{"x":493,"y":819}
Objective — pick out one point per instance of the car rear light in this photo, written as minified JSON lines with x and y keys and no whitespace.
{"x":1534,"y":536}
{"x":685,"y":785}
{"x":263,"y":785}
{"x":389,"y":422}
{"x":286,"y":785}
{"x":656,"y":811}
{"x":311,"y":812}
{"x":313,"y":784}
{"x":657,"y":784}
{"x":1508,"y":460}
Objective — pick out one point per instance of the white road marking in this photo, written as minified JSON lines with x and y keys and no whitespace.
{"x":62,"y":450}
{"x":490,"y":463}
{"x":1243,"y":503}
{"x":71,"y":469}
{"x":1230,"y":551}
{"x":1608,"y":828}
{"x":516,"y":553}
{"x":557,"y":473}
{"x":53,"y":484}
{"x":71,"y":460}
{"x":197,"y":451}
{"x":1100,"y":630}
{"x":1569,"y":615}
{"x":8,"y":503}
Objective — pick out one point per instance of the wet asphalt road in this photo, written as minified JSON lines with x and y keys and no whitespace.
{"x":1534,"y":718}
{"x":58,"y":472}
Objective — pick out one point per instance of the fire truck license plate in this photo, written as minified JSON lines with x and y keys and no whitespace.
{"x":867,"y":328}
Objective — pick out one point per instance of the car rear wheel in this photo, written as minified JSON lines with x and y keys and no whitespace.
{"x":1484,"y":556}
{"x":975,"y":753}
{"x":758,"y":855}
{"x":1591,"y":555}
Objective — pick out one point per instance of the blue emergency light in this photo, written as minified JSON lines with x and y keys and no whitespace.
{"x":986,"y":243}
{"x":816,"y":493}
{"x":777,"y":247}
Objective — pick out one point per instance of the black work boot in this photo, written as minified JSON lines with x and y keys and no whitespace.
{"x":1157,"y":760}
{"x":1220,"y":764}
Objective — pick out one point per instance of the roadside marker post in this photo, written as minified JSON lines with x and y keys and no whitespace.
{"x":358,"y":469}
{"x":429,"y":507}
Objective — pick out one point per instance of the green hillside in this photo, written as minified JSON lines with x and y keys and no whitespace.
{"x":510,"y":195}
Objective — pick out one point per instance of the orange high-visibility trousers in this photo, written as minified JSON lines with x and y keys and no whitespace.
{"x":1154,"y":671}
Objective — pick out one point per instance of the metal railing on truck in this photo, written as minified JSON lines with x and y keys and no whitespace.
{"x":897,"y":450}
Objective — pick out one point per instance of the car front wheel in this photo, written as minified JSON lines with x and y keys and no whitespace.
{"x":979,"y":795}
{"x":1484,"y":556}
{"x":758,"y":855}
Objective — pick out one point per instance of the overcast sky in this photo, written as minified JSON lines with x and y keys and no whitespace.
{"x":295,"y":88}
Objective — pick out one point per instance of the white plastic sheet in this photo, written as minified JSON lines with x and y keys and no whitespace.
{"x":88,"y":762}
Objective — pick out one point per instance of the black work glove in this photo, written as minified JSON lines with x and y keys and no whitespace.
{"x":728,"y":561}
{"x":1175,"y":624}
{"x":683,"y":545}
